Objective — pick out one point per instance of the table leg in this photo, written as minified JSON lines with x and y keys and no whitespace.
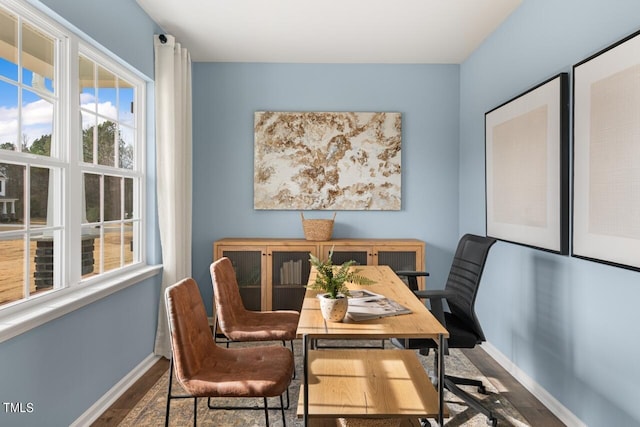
{"x":440,"y":380}
{"x":305,"y":383}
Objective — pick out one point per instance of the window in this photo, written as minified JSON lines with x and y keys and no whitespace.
{"x":109,"y":216}
{"x":71,"y":160}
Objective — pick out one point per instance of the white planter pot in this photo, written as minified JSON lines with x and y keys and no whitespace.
{"x":333,"y":310}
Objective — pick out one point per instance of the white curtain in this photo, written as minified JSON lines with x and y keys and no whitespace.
{"x":173,"y":169}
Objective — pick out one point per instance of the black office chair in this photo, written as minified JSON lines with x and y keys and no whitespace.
{"x":460,"y":294}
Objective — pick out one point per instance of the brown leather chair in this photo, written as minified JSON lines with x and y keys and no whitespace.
{"x":205,"y":369}
{"x":239,"y":324}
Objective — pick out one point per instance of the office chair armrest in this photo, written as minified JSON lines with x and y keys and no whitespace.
{"x":412,"y":277}
{"x":412,"y":273}
{"x":435,"y":298}
{"x":433,"y":294}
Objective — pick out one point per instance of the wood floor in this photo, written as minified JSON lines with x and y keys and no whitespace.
{"x":525,"y":402}
{"x":530,"y":408}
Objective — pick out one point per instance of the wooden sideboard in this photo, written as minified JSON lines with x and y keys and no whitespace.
{"x":272,"y":273}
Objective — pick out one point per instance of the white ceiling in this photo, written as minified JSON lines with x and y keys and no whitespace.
{"x":330,"y":31}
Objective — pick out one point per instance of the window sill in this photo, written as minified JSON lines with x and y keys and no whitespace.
{"x":68,"y":300}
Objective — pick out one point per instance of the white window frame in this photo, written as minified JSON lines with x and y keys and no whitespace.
{"x":138,"y":172}
{"x":70,"y":291}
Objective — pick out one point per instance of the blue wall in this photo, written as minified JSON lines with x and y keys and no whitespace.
{"x":225,"y":98}
{"x":119,"y":25}
{"x":64,"y":366}
{"x":569,"y":324}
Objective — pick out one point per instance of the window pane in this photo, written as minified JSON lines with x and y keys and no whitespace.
{"x":37,"y":59}
{"x":136,"y":243}
{"x":91,"y":251}
{"x":39,"y":196}
{"x":88,"y":128}
{"x":12,"y":203}
{"x":37,"y":119}
{"x":91,"y":198}
{"x":125,"y":103}
{"x":128,"y":198}
{"x":8,"y":116}
{"x":88,"y":251}
{"x":107,"y":135}
{"x":113,"y":245}
{"x":12,"y":265}
{"x":126,"y":147}
{"x":42,"y":263}
{"x":87,"y":84}
{"x":107,"y":90}
{"x":128,"y":243}
{"x":112,"y":198}
{"x":9,"y":42}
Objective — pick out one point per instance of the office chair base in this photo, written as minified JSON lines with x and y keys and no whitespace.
{"x":470,"y":400}
{"x":468,"y":381}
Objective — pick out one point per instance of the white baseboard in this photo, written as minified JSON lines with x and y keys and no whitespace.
{"x":98,"y":408}
{"x":557,"y":408}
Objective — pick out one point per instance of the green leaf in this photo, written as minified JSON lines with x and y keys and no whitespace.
{"x":332,"y":279}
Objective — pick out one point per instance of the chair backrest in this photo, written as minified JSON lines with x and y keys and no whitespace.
{"x":191,"y":338}
{"x":464,"y":278}
{"x":226,"y":294}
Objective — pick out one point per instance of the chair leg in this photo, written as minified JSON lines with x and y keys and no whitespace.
{"x":166,"y":417}
{"x":266,"y":411}
{"x":195,"y":411}
{"x":284,"y":420}
{"x":215,"y":333}
{"x":284,"y":343}
{"x":238,"y":408}
{"x":177,"y":396}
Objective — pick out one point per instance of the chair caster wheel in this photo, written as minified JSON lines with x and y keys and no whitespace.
{"x":493,"y":422}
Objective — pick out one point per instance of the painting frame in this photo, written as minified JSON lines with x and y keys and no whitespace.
{"x":341,"y":160}
{"x":606,"y":155}
{"x":527,"y":168}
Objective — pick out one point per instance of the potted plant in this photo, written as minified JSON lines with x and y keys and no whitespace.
{"x":332,"y":281}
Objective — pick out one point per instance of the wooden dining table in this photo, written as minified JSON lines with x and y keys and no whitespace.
{"x":349,"y":382}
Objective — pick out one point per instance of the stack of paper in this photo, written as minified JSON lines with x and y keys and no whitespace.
{"x":373,"y":306}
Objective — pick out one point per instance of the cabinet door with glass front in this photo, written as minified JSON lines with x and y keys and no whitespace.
{"x":288,"y":274}
{"x":362,"y":254}
{"x":270,"y":277}
{"x":399,"y":255}
{"x":249,"y":263}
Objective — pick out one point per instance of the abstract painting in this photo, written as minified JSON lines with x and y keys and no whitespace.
{"x":327,"y":160}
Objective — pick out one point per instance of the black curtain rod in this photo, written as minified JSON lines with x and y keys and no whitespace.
{"x":163,"y":38}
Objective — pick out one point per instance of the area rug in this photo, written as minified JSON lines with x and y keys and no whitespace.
{"x":150,"y":410}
